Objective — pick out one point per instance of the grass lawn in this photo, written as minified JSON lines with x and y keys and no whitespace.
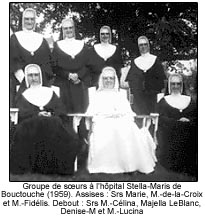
{"x":160,"y":174}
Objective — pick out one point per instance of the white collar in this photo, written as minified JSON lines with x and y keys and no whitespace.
{"x":29,"y":40}
{"x":28,"y":31}
{"x":38,"y":96}
{"x":146,"y":55}
{"x":180,"y":102}
{"x":71,"y":46}
{"x":69,"y":39}
{"x":145,"y":61}
{"x":105,"y":51}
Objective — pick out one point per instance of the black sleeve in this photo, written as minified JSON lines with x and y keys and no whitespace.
{"x":132,"y":78}
{"x":57,"y":70}
{"x":47,"y":61}
{"x":55,"y":106}
{"x":164,"y":119}
{"x":26,"y":110}
{"x":118,"y":63}
{"x":15,"y":60}
{"x":160,"y":76}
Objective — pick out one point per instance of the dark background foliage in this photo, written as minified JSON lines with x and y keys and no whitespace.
{"x":171,"y":27}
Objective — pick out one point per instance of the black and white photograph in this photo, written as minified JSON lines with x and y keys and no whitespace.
{"x":103,"y":107}
{"x":103,"y":91}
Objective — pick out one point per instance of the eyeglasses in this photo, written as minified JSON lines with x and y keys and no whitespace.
{"x":66,"y":28}
{"x":105,"y":33}
{"x":176,"y":83}
{"x":143,"y":44}
{"x":29,"y":18}
{"x":33,"y":75}
{"x":108,"y":78}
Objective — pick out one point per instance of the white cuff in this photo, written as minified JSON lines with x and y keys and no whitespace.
{"x":19,"y":74}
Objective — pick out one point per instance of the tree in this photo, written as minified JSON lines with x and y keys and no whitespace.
{"x":171,"y":27}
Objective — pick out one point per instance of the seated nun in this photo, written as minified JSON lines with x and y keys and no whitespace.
{"x":43,"y":142}
{"x":116,"y":144}
{"x":177,"y":132}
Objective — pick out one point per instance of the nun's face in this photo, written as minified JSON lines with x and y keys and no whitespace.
{"x":108,"y":79}
{"x":33,"y":77}
{"x":175,"y":85}
{"x":143,"y":46}
{"x":105,"y":35}
{"x":68,"y":29}
{"x":29,"y":20}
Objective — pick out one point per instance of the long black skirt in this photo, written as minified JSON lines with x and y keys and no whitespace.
{"x":177,"y":148}
{"x":43,"y":145}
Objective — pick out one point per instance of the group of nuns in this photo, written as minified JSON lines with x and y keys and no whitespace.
{"x":45,"y":141}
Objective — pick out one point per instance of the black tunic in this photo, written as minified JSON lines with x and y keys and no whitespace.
{"x":43,"y":144}
{"x":20,"y":57}
{"x":145,"y":86}
{"x":177,"y":140}
{"x":97,"y":63}
{"x":74,"y":96}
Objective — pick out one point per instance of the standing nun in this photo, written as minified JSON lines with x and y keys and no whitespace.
{"x":28,"y":47}
{"x":104,"y":54}
{"x":69,"y":63}
{"x":146,"y":79}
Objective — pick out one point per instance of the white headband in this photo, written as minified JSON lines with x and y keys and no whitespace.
{"x":34,"y":12}
{"x":110,"y":32}
{"x":26,"y":71}
{"x":68,"y":20}
{"x":100,"y":82}
{"x":169,"y":82}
